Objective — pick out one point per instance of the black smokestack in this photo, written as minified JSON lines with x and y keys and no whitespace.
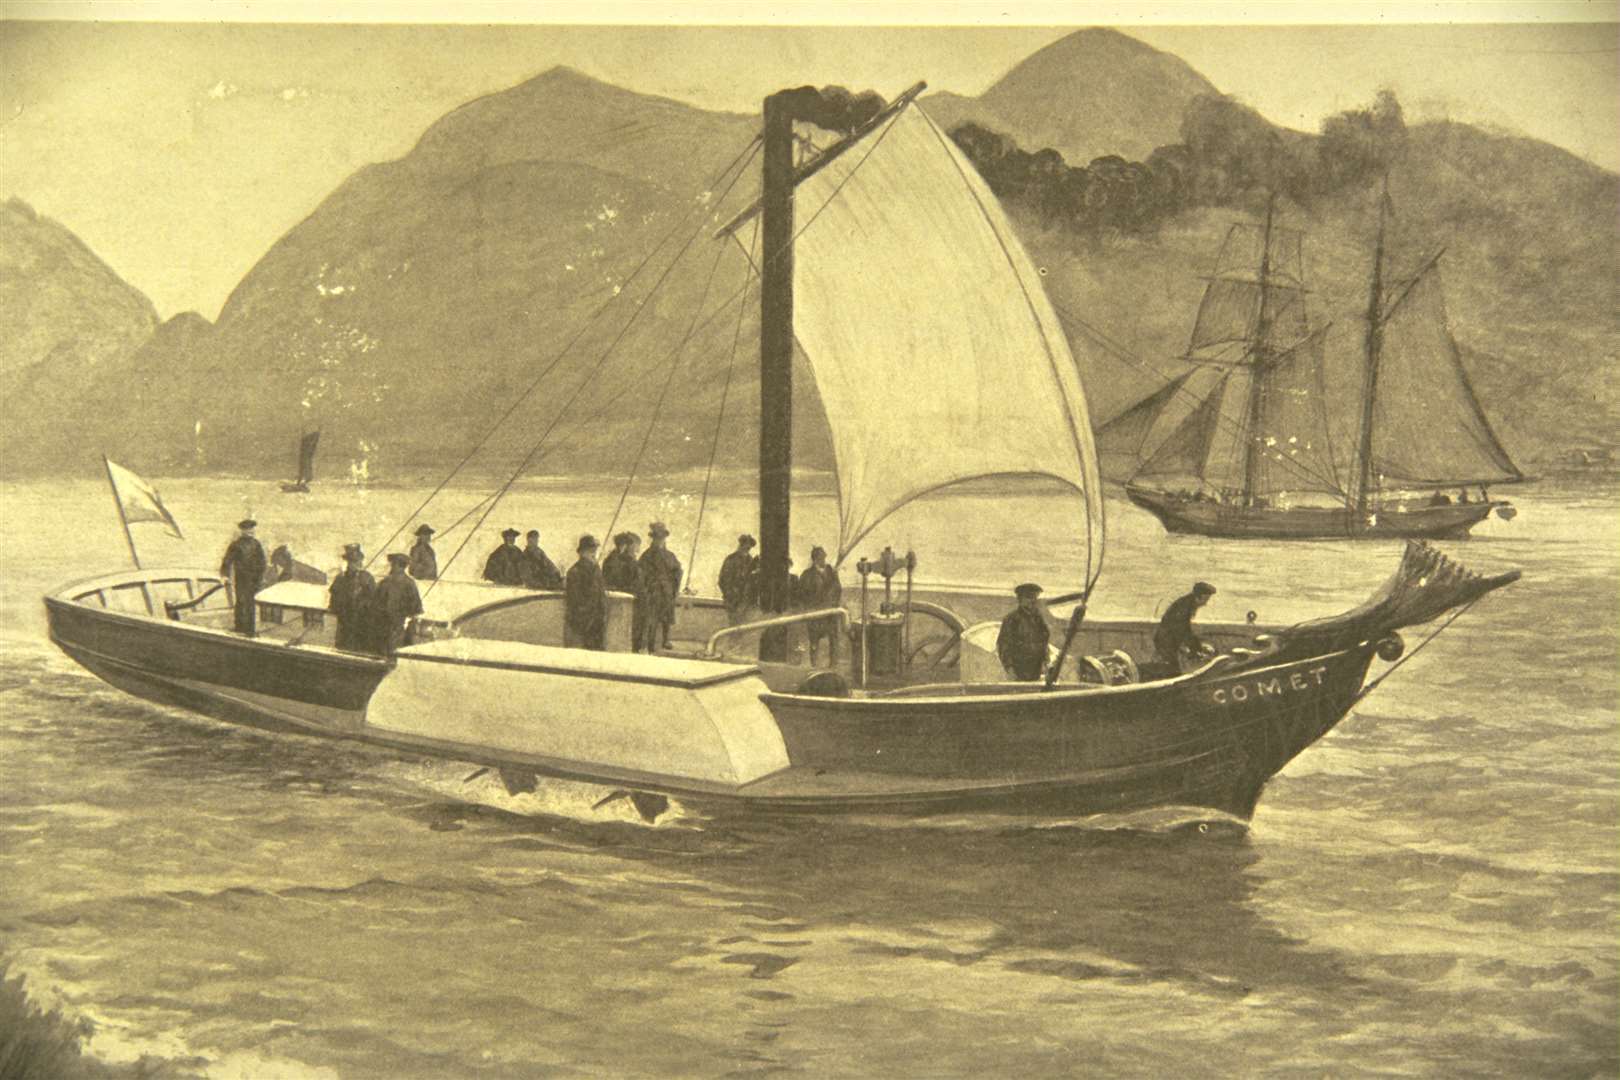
{"x":833,"y":108}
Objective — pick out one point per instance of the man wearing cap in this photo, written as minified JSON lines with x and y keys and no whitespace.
{"x":1021,"y":645}
{"x":505,"y":563}
{"x":1174,"y":642}
{"x":737,"y":580}
{"x":818,"y":587}
{"x":661,"y":578}
{"x":621,"y":573}
{"x":395,"y":602}
{"x":585,"y":624}
{"x":244,"y":568}
{"x":539,"y":572}
{"x":424,"y":563}
{"x":350,"y":600}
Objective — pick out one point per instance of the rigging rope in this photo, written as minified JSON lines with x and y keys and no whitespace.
{"x":669,"y":380}
{"x":580,"y":389}
{"x":1455,"y":615}
{"x":630,"y":385}
{"x":1222,"y":421}
{"x":740,"y":162}
{"x":725,"y":393}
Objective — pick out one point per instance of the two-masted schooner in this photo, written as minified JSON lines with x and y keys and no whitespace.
{"x":307,"y":444}
{"x":1242,"y":445}
{"x":939,"y":359}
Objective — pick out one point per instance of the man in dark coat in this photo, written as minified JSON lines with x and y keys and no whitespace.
{"x":424,"y":563}
{"x":585,"y":625}
{"x":1174,"y":642}
{"x":818,"y":587}
{"x":539,"y":572}
{"x":393,"y":605}
{"x":621,"y":573}
{"x":505,"y":563}
{"x":244,"y":567}
{"x":737,"y":580}
{"x":661,"y":578}
{"x":1021,"y":645}
{"x":350,"y":600}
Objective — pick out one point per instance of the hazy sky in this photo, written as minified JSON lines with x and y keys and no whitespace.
{"x":180,"y":152}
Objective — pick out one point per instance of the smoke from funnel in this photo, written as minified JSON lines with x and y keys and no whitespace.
{"x":833,"y":108}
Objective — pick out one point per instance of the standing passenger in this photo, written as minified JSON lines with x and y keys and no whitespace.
{"x":620,"y":573}
{"x":737,"y":581}
{"x":505,"y":564}
{"x":819,"y":587}
{"x":661,"y":578}
{"x":350,"y":600}
{"x":394,"y":604}
{"x":424,"y":565}
{"x":1024,"y":636}
{"x":244,"y":567}
{"x":539,"y":572}
{"x":585,"y":625}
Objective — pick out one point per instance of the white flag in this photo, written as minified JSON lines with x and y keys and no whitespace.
{"x":139,"y":500}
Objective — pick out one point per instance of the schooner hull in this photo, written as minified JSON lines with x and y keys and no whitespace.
{"x":1209,"y":739}
{"x":1180,"y":515}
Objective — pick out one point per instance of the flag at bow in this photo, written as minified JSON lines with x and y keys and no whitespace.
{"x":138,"y":500}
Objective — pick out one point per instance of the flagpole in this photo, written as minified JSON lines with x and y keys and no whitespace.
{"x":122,"y":519}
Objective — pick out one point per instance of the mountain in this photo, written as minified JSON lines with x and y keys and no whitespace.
{"x":68,"y":317}
{"x":509,"y":249}
{"x":1091,"y":93}
{"x":424,"y":296}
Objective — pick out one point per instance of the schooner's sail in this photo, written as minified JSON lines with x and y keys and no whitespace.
{"x":1428,"y":428}
{"x":935,"y":350}
{"x":1250,"y":425}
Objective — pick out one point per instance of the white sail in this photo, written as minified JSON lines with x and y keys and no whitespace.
{"x":938,"y":356}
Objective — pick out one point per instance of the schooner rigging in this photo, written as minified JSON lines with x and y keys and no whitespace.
{"x":1243,"y":444}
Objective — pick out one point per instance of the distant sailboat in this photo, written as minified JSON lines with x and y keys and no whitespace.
{"x":1241,"y":446}
{"x":306,"y":463}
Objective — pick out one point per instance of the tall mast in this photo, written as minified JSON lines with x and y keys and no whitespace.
{"x":1375,"y":341}
{"x":776,"y":353}
{"x":1260,"y":354}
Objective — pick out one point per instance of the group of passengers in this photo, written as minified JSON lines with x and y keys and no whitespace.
{"x":652,"y":577}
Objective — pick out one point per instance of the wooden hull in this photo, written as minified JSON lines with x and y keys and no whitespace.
{"x":1208,"y":739}
{"x":1179,"y":515}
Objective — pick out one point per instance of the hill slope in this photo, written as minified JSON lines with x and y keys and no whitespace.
{"x":1088,"y":94}
{"x":424,"y":296}
{"x":68,"y":317}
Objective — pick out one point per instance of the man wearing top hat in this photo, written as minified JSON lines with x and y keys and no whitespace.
{"x":621,"y":573}
{"x":505,"y":564}
{"x":585,"y":624}
{"x":350,"y":600}
{"x":1174,"y":642}
{"x":244,"y":567}
{"x":1024,"y":636}
{"x":737,"y":580}
{"x":539,"y":572}
{"x":424,"y":561}
{"x":661,"y":578}
{"x":395,"y":602}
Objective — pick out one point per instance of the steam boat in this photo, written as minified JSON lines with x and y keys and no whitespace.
{"x":1242,"y":444}
{"x":920,"y":717}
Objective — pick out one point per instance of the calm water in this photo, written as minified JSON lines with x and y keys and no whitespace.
{"x":1432,"y":890}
